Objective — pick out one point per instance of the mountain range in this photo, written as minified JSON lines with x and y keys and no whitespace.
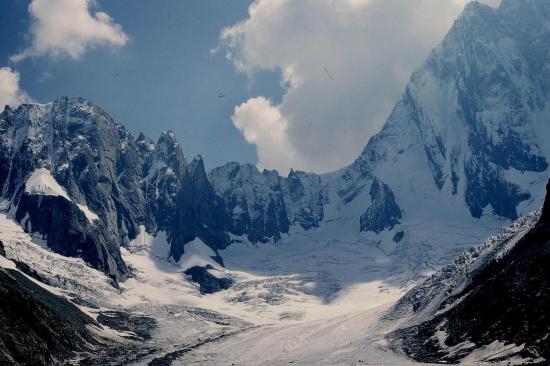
{"x":464,"y":149}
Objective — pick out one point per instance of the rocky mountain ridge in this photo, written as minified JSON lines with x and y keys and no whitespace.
{"x":67,"y":161}
{"x":465,"y":141}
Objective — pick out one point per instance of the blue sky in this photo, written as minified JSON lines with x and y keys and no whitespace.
{"x":164,"y":77}
{"x":297,"y":84}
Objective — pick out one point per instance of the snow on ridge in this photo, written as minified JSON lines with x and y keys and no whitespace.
{"x":496,"y":351}
{"x":157,"y":244}
{"x":90,"y":215}
{"x":41,"y":182}
{"x":6,"y":263}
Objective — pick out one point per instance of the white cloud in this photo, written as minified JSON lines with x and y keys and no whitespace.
{"x":68,"y":28}
{"x":10,"y":93}
{"x":263,"y":124}
{"x":343,"y":63}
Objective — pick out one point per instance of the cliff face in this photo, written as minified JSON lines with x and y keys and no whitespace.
{"x":83,"y":183}
{"x":471,"y":127}
{"x":264,"y":205}
{"x":76,"y":153}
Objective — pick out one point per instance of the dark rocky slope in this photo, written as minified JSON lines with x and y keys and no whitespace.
{"x":506,"y":300}
{"x":38,"y":327}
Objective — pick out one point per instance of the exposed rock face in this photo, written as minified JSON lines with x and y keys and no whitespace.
{"x":38,"y":327}
{"x":467,"y":138}
{"x":486,"y":186}
{"x":95,"y":161}
{"x":305,"y":200}
{"x":207,"y":281}
{"x":163,"y":171}
{"x":69,"y":232}
{"x":98,"y":170}
{"x":499,"y":299}
{"x":264,"y":205}
{"x":254,"y":201}
{"x":383,"y":213}
{"x":199,"y":212}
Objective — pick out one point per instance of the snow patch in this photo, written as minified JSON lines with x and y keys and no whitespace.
{"x":91,"y":216}
{"x":42,"y":182}
{"x":492,"y":352}
{"x":157,"y":245}
{"x":6,"y":263}
{"x":197,"y":254}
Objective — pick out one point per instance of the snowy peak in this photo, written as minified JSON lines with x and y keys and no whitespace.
{"x":88,"y":157}
{"x":145,"y":145}
{"x":163,"y":169}
{"x":199,"y":212}
{"x":72,"y":155}
{"x":196,"y":169}
{"x":472,"y":122}
{"x":468,"y":138}
{"x":171,"y":152}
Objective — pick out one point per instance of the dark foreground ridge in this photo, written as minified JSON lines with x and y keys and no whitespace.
{"x":38,"y":327}
{"x":505,"y":301}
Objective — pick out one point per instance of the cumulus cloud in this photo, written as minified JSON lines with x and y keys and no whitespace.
{"x":10,"y":92}
{"x":263,"y":124}
{"x":68,"y":28}
{"x":344,"y":63}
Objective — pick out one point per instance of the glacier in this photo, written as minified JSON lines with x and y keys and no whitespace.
{"x":322,"y":267}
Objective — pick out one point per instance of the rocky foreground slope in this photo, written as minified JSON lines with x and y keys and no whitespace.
{"x":489,"y":305}
{"x":36,"y":326}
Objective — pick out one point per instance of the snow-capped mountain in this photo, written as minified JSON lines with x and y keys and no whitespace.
{"x":488,"y":305}
{"x":463,"y":146}
{"x":64,"y":164}
{"x":463,"y":153}
{"x":72,"y":175}
{"x":164,"y":165}
{"x":470,"y":130}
